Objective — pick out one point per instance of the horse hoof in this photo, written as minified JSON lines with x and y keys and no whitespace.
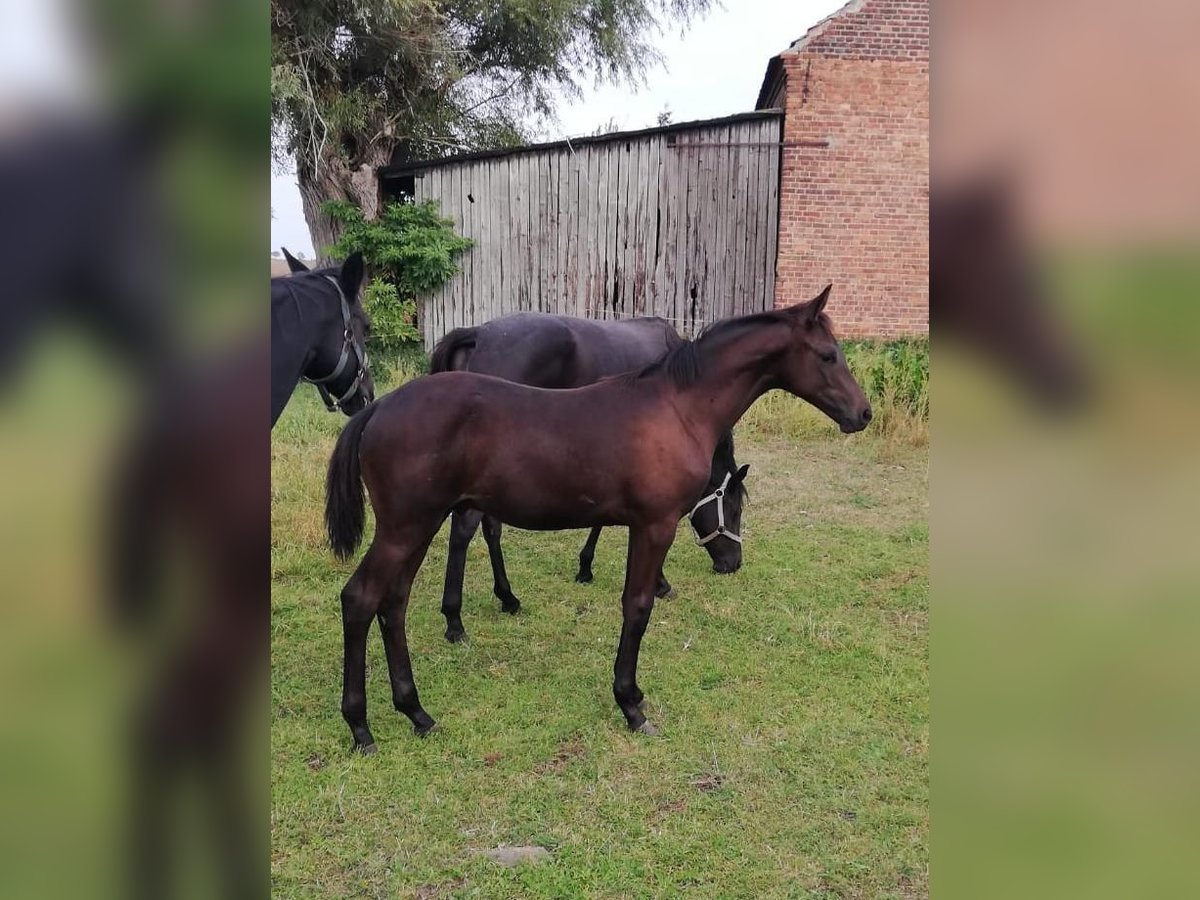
{"x":367,"y":749}
{"x":511,"y":608}
{"x":583,"y":578}
{"x":668,"y":594}
{"x":456,"y":636}
{"x":647,"y":728}
{"x":426,"y":730}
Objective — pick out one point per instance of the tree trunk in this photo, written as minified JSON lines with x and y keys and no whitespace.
{"x":338,"y":179}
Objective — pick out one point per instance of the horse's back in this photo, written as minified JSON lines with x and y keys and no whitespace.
{"x":551,"y":351}
{"x":528,"y":348}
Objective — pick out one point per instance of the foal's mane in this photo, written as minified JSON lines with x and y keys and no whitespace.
{"x":683,"y":365}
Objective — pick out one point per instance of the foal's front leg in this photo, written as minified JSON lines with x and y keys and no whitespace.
{"x":648,"y":548}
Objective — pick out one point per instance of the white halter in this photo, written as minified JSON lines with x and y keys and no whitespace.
{"x":719,"y":496}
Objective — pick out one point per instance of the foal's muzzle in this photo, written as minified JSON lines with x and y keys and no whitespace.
{"x":857,"y":422}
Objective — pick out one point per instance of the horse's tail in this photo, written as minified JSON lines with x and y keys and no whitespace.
{"x":344,"y":500}
{"x":453,"y":351}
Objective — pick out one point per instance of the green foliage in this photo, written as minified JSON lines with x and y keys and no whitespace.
{"x":411,"y":250}
{"x":895,"y":376}
{"x":896,"y":370}
{"x":390,"y":315}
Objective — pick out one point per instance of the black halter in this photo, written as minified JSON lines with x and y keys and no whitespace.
{"x":348,"y":344}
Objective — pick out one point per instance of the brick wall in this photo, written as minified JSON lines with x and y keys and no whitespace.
{"x":857,"y":212}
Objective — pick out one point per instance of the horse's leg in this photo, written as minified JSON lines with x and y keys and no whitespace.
{"x":647,"y":549}
{"x":361,"y":598}
{"x":586,"y":555}
{"x":502,"y":589}
{"x":664,"y":588}
{"x":462,"y":529}
{"x":392,"y":614}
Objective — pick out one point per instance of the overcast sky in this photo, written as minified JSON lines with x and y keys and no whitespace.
{"x":715,"y":69}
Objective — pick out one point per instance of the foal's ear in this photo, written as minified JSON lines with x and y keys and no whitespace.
{"x":816,"y":306}
{"x":740,"y":475}
{"x":294,"y":265}
{"x":351,"y":275}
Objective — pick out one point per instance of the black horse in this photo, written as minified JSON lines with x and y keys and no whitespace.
{"x":549,"y":351}
{"x":318,"y":334}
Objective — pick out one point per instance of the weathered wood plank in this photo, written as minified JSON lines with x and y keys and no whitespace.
{"x":683,"y":157}
{"x":722,"y":247}
{"x":642,"y":235}
{"x":774,"y":160}
{"x":628,"y":228}
{"x":758,"y":217}
{"x":561,"y":218}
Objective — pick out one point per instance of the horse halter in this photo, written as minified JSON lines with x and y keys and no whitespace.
{"x":348,"y":343}
{"x":717,"y":496}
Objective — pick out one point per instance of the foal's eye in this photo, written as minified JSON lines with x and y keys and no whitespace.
{"x":830,"y":358}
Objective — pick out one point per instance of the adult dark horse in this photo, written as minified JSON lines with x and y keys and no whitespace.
{"x":318,"y":334}
{"x":548,"y":351}
{"x":634,"y":450}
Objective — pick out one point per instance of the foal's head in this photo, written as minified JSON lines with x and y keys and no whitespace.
{"x":814,"y":368}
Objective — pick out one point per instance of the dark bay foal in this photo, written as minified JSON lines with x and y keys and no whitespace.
{"x":548,"y":351}
{"x":633,"y":450}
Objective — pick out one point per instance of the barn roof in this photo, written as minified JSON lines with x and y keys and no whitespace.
{"x":407,"y":168}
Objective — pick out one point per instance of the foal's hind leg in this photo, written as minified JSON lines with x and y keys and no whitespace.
{"x":361,"y":598}
{"x":392,"y":614}
{"x":462,"y":528}
{"x":586,"y":555}
{"x":502,"y":589}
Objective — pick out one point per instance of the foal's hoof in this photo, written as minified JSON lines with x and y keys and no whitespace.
{"x":456,"y":635}
{"x":647,"y":728}
{"x":583,"y":578}
{"x":665,"y":592}
{"x":426,"y":730}
{"x":511,"y":608}
{"x":367,"y":749}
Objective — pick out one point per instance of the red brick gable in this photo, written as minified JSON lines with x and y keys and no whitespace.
{"x":871,"y":29}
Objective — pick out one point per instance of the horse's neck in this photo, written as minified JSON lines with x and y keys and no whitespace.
{"x":736,"y":370}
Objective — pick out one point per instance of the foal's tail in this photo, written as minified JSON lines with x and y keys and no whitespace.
{"x":344,"y":500}
{"x":452,"y":351}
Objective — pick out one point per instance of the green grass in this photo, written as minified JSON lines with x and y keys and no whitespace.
{"x":792,"y":696}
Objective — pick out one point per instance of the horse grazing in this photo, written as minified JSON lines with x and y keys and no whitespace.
{"x":633,"y":450}
{"x":318,"y":334}
{"x":548,"y":351}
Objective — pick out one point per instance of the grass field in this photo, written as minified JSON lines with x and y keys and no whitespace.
{"x":792,"y":697}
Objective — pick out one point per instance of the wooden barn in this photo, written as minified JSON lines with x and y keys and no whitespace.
{"x":678,"y":221}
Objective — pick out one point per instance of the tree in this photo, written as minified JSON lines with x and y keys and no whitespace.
{"x":357,"y":83}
